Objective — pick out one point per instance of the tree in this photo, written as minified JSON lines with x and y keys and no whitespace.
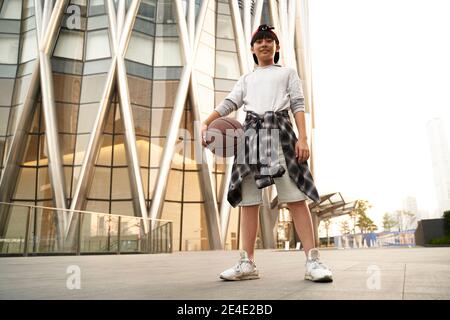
{"x":366,"y":224}
{"x":372,"y":227}
{"x":326,"y":224}
{"x":360,"y":212}
{"x":406,"y":220}
{"x":353,"y":216}
{"x":389,"y":222}
{"x":345,"y":229}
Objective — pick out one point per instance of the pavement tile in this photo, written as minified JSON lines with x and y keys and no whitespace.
{"x":373,"y":273}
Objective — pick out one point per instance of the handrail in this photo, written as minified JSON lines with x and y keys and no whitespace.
{"x":79,"y":211}
{"x":158,"y":240}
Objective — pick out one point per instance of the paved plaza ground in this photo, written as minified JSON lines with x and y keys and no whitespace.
{"x":372,"y":273}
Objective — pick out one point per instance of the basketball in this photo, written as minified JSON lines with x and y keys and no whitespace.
{"x":223,"y":136}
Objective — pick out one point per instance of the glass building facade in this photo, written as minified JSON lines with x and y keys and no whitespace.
{"x":83,"y":91}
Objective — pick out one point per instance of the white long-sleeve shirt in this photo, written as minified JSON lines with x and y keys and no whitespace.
{"x":268,"y":88}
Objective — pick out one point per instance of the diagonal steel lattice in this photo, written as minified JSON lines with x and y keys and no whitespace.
{"x":289,"y":17}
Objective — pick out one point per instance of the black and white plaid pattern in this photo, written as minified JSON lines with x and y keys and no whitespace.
{"x":244,"y":164}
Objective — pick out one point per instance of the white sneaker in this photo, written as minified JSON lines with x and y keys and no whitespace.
{"x":245,"y":269}
{"x":315,"y":270}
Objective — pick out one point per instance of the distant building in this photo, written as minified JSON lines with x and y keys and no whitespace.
{"x":440,"y":157}
{"x":410,"y":205}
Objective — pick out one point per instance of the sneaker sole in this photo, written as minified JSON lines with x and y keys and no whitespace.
{"x":251,"y":277}
{"x":324,"y":279}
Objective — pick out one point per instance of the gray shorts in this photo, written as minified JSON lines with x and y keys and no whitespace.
{"x":286,"y":188}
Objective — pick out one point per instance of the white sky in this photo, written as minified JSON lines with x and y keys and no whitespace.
{"x":381,"y":71}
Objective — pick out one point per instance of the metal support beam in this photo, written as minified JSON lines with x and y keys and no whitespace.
{"x":51,"y":134}
{"x":120,"y":17}
{"x":292,"y":11}
{"x":177,"y":113}
{"x":225,"y":208}
{"x":46,"y":13}
{"x":247,"y":29}
{"x":284,"y":42}
{"x":315,"y":223}
{"x":46,"y":40}
{"x":136,"y":184}
{"x":273,"y":11}
{"x":57,"y":178}
{"x":206,"y":182}
{"x":17,"y":149}
{"x":191,"y":21}
{"x":258,"y":13}
{"x":86,"y":173}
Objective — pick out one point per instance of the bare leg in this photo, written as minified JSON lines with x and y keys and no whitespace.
{"x":303,"y":224}
{"x":249,"y":229}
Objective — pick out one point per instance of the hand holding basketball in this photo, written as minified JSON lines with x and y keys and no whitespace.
{"x":203,"y":129}
{"x":223,"y":136}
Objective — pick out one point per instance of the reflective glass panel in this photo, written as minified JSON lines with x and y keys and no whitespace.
{"x":9,"y":48}
{"x":120,"y":184}
{"x":70,"y":45}
{"x":29,"y":46}
{"x":167,"y":52}
{"x":97,"y":45}
{"x":140,"y":48}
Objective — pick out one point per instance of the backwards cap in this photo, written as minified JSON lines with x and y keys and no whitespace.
{"x":265,"y":31}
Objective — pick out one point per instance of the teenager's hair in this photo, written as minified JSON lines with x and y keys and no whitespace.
{"x":264,"y":31}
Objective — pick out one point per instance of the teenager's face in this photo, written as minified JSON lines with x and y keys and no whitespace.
{"x":265,"y":50}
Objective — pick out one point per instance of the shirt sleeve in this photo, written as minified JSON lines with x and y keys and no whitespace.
{"x":296,"y":93}
{"x":226,"y":107}
{"x":233,"y":100}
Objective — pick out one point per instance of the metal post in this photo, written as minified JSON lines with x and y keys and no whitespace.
{"x":167,"y":239}
{"x":149,"y":236}
{"x":158,"y":240}
{"x":315,"y":222}
{"x":27,"y":231}
{"x":171,"y":238}
{"x":152,"y":241}
{"x":20,"y":244}
{"x":108,"y":242}
{"x":118,"y":234}
{"x":142,"y":235}
{"x":80,"y":216}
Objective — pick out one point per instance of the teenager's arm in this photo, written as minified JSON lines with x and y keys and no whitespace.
{"x":213,"y":116}
{"x":301,"y":127}
{"x":301,"y":147}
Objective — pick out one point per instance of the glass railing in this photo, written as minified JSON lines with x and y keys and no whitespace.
{"x":33,"y":230}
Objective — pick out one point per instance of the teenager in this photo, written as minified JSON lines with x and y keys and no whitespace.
{"x":267,"y":94}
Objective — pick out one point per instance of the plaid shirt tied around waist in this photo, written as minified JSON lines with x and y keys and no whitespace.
{"x":257,"y":158}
